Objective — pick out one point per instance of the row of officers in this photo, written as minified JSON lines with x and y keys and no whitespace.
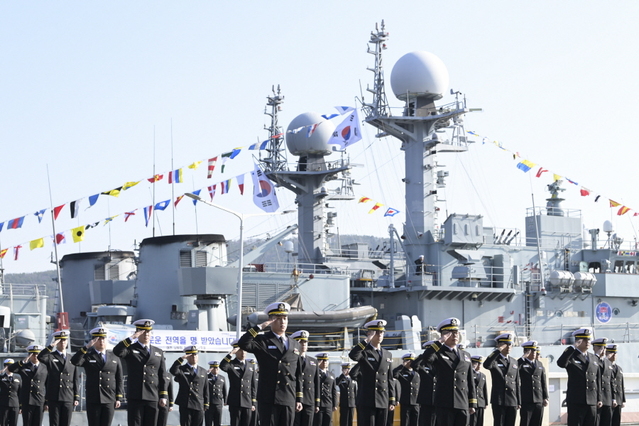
{"x":285,"y":387}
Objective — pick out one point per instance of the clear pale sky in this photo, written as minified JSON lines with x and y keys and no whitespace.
{"x":84,"y":86}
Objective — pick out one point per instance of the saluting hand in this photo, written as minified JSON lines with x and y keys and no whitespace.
{"x":268,"y":322}
{"x":91,"y":342}
{"x":444,"y":337}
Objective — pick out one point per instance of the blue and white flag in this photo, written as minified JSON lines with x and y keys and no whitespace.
{"x":347,"y":132}
{"x":264,"y":191}
{"x":162,"y":205}
{"x":391,"y":212}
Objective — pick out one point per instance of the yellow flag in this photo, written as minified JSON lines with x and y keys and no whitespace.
{"x":195,"y":165}
{"x":36,"y":243}
{"x":556,"y":177}
{"x":78,"y":234}
{"x":129,"y":185}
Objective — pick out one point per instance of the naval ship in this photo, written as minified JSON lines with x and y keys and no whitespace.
{"x":539,"y":283}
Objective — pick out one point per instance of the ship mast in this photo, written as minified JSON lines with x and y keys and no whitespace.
{"x":276,"y":159}
{"x":417,"y":128}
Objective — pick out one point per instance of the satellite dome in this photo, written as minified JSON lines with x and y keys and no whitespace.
{"x":300,"y":143}
{"x":419,"y":74}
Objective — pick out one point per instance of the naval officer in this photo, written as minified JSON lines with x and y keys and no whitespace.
{"x":583,"y":396}
{"x":193,"y":393}
{"x":604,"y":413}
{"x":34,"y":377}
{"x":375,"y":378}
{"x":10,"y":387}
{"x":217,"y":396}
{"x":410,"y":383}
{"x":534,"y":390}
{"x":147,"y":385}
{"x":62,"y":382}
{"x":104,"y":379}
{"x":505,"y":397}
{"x":279,"y":388}
{"x":347,"y":395}
{"x":243,"y":386}
{"x":455,"y":397}
{"x":327,"y":393}
{"x":427,"y":383}
{"x":310,"y":382}
{"x":618,"y":386}
{"x":481,"y":388}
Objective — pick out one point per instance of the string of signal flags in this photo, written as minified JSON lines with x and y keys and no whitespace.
{"x":527,"y":165}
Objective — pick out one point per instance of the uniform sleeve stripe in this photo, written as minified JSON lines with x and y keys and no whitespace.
{"x":472,"y":401}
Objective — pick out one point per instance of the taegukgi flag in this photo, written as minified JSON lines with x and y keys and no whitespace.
{"x":264,"y":191}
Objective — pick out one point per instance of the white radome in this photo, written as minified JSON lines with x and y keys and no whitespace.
{"x":301,"y":144}
{"x":419,"y":74}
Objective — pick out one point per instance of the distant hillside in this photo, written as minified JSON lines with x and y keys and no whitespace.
{"x":44,"y":277}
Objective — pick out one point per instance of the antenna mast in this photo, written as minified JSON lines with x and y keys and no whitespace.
{"x":379,"y":106}
{"x":276,"y":160}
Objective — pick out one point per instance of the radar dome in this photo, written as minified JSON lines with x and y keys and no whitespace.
{"x":419,"y":74}
{"x":300,"y":143}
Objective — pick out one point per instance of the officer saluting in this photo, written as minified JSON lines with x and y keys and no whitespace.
{"x":217,"y":396}
{"x":410,"y":382}
{"x":279,"y":385}
{"x":583,"y":396}
{"x":104,"y":383}
{"x":455,"y":389}
{"x":193,"y":394}
{"x":147,"y":384}
{"x":310,"y":382}
{"x":62,"y":381}
{"x":504,"y":370}
{"x":426,"y":397}
{"x":604,"y":414}
{"x":375,"y":379}
{"x":243,"y":388}
{"x":347,"y":395}
{"x":34,"y":377}
{"x":10,"y":386}
{"x":534,"y":391}
{"x":481,"y":388}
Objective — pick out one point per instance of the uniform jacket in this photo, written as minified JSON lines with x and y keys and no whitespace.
{"x":243,"y":382}
{"x":310,"y":381}
{"x":428,"y":380}
{"x":607,"y":391}
{"x":33,"y":382}
{"x":10,"y":387}
{"x":194,"y":386}
{"x":481,"y":389}
{"x":105,"y":380}
{"x":218,"y":394}
{"x":347,"y":391}
{"x":532,"y":376}
{"x":584,"y":376}
{"x":328,"y":390}
{"x":505,"y":374}
{"x":146,"y":370}
{"x":455,"y":386}
{"x":619,"y":385}
{"x":410,"y":382}
{"x":62,"y":381}
{"x":280,"y":369}
{"x":374,"y":376}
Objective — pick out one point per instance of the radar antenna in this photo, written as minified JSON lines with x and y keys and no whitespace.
{"x":379,"y":106}
{"x":276,"y":159}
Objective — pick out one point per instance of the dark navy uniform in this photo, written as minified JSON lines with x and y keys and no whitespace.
{"x":481,"y":391}
{"x":426,"y":396}
{"x":347,"y":399}
{"x":310,"y":391}
{"x":375,"y":377}
{"x":193,"y":393}
{"x":217,"y":397}
{"x":62,"y":385}
{"x":146,"y":383}
{"x":455,"y":386}
{"x":584,"y":383}
{"x":242,"y":390}
{"x":10,"y":386}
{"x":604,"y":414}
{"x":618,"y":386}
{"x":163,"y":412}
{"x":104,"y":384}
{"x":410,"y":382}
{"x":328,"y":399}
{"x":32,"y":393}
{"x":279,"y":384}
{"x":534,"y":391}
{"x":505,"y":396}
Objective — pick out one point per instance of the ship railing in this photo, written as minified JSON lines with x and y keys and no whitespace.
{"x":291,"y":268}
{"x":23,"y":289}
{"x":553,"y":211}
{"x":319,"y":167}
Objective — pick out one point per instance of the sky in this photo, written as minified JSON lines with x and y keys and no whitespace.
{"x":98,"y":94}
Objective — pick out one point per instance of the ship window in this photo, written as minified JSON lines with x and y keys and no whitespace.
{"x":630,"y":267}
{"x":99,"y":273}
{"x":477,"y":230}
{"x":185,"y":259}
{"x":454,"y":229}
{"x":466,"y":229}
{"x":200,"y":259}
{"x":618,"y":267}
{"x":594,"y":267}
